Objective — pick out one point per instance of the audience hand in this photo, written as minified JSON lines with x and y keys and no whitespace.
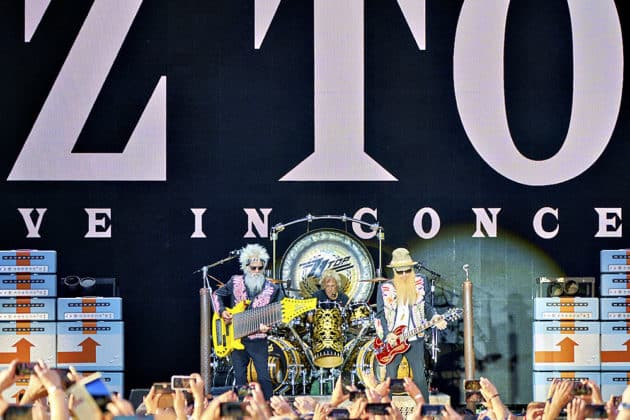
{"x":150,"y":401}
{"x":304,"y":404}
{"x":596,"y":394}
{"x":338,"y":395}
{"x":120,"y":407}
{"x":213,"y":411}
{"x":7,"y":376}
{"x":281,"y":406}
{"x":440,"y":322}
{"x":413,"y":391}
{"x":575,"y":409}
{"x":179,"y":404}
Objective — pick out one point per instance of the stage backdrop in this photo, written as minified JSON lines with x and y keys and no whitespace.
{"x":145,"y":139}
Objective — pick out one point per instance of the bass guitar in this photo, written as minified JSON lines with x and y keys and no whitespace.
{"x":227,"y":337}
{"x":385,"y":351}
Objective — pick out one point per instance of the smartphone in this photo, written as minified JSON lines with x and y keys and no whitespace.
{"x":180,"y":382}
{"x":232,"y":409}
{"x":24,"y":368}
{"x":379,"y":409}
{"x":339,"y":413}
{"x":595,"y":411}
{"x":99,"y":392}
{"x":397,"y":386}
{"x":242,"y":391}
{"x":431,"y":409}
{"x":472,"y":385}
{"x":346,"y":380}
{"x":19,"y":412}
{"x":162,"y":388}
{"x":472,"y":390}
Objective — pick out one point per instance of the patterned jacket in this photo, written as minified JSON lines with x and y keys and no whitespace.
{"x":387,"y":306}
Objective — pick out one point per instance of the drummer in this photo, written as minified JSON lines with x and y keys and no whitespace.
{"x":330,"y":283}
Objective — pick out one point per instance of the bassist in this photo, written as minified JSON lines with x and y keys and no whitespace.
{"x":401,"y":302}
{"x":253,"y":286}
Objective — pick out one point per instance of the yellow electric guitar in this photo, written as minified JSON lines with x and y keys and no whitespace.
{"x":226,"y":338}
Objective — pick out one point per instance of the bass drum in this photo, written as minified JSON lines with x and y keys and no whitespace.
{"x":285,"y":364}
{"x":366,"y":363}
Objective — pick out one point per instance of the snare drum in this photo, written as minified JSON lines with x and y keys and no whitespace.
{"x":285,"y":364}
{"x":327,"y":335}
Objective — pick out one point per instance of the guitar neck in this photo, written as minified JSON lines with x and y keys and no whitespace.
{"x":417,"y":330}
{"x":248,"y":322}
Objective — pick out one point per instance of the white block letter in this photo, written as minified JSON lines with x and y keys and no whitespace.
{"x":102,"y":223}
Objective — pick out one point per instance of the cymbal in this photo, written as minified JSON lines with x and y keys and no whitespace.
{"x":374,"y":280}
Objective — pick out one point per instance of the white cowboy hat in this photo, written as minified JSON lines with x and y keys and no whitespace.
{"x":401,"y":258}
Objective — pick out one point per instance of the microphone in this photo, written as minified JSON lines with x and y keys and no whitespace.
{"x":231,"y":255}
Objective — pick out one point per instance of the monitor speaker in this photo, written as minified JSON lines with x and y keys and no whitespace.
{"x":565,"y":287}
{"x":77,"y":286}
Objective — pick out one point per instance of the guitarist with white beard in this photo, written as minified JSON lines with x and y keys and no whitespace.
{"x":253,"y":286}
{"x":401,"y":301}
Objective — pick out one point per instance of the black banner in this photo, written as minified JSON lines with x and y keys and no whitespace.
{"x":145,"y":139}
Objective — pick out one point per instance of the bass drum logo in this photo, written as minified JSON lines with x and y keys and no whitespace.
{"x":314,"y":252}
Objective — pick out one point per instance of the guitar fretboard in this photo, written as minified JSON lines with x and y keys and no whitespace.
{"x":248,"y":322}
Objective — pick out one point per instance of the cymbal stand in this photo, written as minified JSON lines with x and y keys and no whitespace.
{"x":292,"y":371}
{"x":333,"y":374}
{"x":305,"y":348}
{"x":354,"y":343}
{"x":304,"y":381}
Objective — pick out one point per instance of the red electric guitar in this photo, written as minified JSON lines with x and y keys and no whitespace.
{"x":385,"y":352}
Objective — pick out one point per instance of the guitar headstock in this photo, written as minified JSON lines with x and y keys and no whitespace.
{"x":453,"y":314}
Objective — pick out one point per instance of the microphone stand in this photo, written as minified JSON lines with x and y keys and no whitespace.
{"x":434,"y":331}
{"x":205,"y":327}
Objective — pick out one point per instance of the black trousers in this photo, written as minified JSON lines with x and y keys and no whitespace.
{"x":415,"y":358}
{"x":258,"y":351}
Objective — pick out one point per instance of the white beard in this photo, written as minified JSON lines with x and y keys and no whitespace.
{"x":254,"y":283}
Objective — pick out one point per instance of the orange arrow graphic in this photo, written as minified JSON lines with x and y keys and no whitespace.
{"x":22,"y":352}
{"x":617,"y":355}
{"x":565,"y":354}
{"x":86,"y":355}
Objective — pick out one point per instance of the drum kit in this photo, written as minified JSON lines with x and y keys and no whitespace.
{"x":309,"y":353}
{"x":308,"y":357}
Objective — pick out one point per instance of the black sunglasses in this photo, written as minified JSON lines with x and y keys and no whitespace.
{"x":409,"y":270}
{"x":256,"y":268}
